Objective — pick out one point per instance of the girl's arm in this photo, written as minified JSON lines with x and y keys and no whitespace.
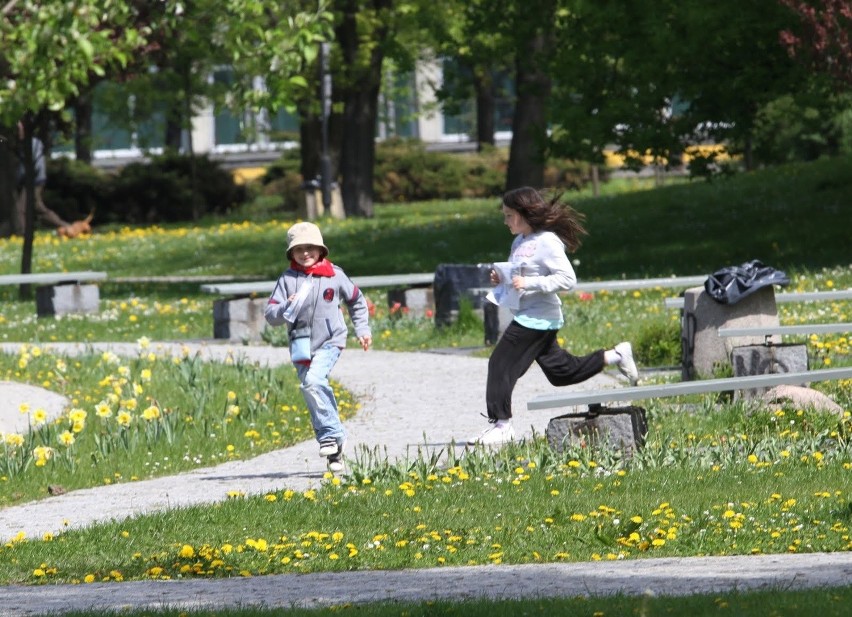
{"x":559,"y":273}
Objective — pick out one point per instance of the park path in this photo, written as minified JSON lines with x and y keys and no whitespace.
{"x":410,"y":401}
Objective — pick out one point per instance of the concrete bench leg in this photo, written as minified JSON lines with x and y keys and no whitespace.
{"x":767,"y":359}
{"x":419,"y":301}
{"x":54,"y":300}
{"x":618,"y":428}
{"x":239,"y":319}
{"x":703,"y":348}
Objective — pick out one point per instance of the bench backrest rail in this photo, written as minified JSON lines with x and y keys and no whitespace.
{"x":798,"y":296}
{"x":632,"y":284}
{"x":822,"y":328}
{"x":51,"y":278}
{"x":572,"y":399}
{"x":427,"y":278}
{"x":266,"y":287}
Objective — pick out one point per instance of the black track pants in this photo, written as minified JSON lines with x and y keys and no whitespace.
{"x":514,"y":354}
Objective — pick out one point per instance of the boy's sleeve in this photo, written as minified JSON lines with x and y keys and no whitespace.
{"x":356,"y":304}
{"x":277,"y":304}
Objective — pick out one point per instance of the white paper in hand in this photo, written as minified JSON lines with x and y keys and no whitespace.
{"x":504,"y":294}
{"x":298,"y":302}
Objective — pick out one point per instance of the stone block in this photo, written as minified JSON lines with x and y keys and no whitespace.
{"x":53,"y":300}
{"x":311,"y":208}
{"x":455,"y":283}
{"x":767,"y":359}
{"x":419,"y":301}
{"x":702,"y":347}
{"x":617,"y":428}
{"x":496,"y":319}
{"x":239,"y":319}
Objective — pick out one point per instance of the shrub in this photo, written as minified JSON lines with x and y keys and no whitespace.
{"x":405,"y":171}
{"x":75,"y":189}
{"x":659,"y":345}
{"x":162,"y":190}
{"x":283,"y":178}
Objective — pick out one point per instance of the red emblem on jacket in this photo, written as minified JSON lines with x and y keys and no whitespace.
{"x":328,"y":294}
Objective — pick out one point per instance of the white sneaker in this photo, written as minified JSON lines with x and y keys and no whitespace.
{"x":626,"y":364}
{"x":335,"y":460}
{"x":494,"y":435}
{"x":327,"y":447}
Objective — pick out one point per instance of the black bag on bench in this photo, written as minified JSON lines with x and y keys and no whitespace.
{"x":732,"y":284}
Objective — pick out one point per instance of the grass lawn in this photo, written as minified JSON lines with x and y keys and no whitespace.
{"x":719,"y":480}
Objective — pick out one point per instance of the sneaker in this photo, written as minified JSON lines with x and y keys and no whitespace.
{"x":626,"y":364}
{"x":494,"y":435}
{"x":328,"y":447}
{"x":335,"y":461}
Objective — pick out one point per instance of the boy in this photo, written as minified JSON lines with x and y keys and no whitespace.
{"x":307,"y":299}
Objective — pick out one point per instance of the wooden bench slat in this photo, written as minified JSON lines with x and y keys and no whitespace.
{"x":51,"y":278}
{"x":574,"y":399}
{"x":796,"y":329}
{"x":793,"y":296}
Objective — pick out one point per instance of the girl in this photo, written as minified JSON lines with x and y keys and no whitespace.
{"x":543,"y":230}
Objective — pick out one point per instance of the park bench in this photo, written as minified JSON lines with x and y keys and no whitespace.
{"x":702,"y":318}
{"x":593,"y":399}
{"x":624,"y":427}
{"x":771,"y":356}
{"x":60,"y":293}
{"x":240,"y":314}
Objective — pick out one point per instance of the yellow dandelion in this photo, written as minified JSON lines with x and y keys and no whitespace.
{"x":187,"y":552}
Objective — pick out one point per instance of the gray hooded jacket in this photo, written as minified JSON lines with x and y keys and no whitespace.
{"x":320,"y":314}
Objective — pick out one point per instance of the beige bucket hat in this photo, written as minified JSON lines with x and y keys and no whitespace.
{"x":305,"y":233}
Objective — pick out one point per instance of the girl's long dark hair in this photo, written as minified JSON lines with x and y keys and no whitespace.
{"x":551,"y":214}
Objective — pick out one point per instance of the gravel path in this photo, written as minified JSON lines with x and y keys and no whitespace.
{"x":410,"y":401}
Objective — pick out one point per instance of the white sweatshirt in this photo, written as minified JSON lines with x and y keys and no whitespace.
{"x":540,"y":258}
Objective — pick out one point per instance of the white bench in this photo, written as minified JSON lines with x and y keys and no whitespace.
{"x":799,"y":329}
{"x":794,"y":296}
{"x":240,"y":315}
{"x":60,"y":293}
{"x":634,"y":284}
{"x":253,"y":288}
{"x":596,"y":398}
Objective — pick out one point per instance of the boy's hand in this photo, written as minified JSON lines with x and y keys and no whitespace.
{"x":519,"y":282}
{"x":495,"y":277}
{"x":365,"y":341}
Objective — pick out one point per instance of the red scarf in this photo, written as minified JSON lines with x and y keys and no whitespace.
{"x":322,"y":268}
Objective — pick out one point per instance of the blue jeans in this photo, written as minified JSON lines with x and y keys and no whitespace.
{"x":318,"y":394}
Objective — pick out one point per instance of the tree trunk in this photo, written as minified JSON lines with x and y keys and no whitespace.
{"x":24,"y":291}
{"x":83,"y":127}
{"x":173,"y":130}
{"x":483,"y":82}
{"x":529,"y":123}
{"x":8,"y":172}
{"x":358,"y":151}
{"x":360,"y":95}
{"x":311,"y":146}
